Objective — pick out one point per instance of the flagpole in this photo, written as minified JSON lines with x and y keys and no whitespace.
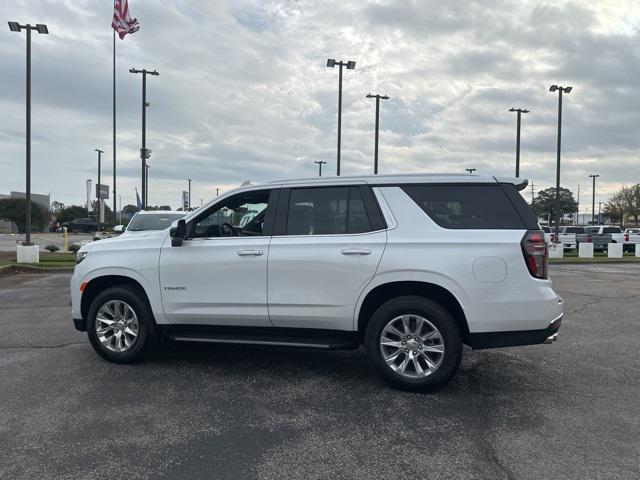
{"x":114,"y":127}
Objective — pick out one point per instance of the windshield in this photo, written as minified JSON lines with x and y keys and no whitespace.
{"x":141,"y":222}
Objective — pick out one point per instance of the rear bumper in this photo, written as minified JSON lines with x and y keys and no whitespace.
{"x":483,"y":340}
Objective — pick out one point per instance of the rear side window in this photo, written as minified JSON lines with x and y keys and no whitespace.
{"x":574,"y":230}
{"x":471,"y":206}
{"x":611,"y":230}
{"x":327,"y":211}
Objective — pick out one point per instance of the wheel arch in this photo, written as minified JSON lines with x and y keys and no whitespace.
{"x":98,"y":284}
{"x":387,"y":291}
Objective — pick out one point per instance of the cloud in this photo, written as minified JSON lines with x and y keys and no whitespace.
{"x":243,"y":91}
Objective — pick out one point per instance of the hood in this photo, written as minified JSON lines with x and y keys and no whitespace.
{"x":148,"y":238}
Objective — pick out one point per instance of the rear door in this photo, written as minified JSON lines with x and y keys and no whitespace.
{"x":327,"y":244}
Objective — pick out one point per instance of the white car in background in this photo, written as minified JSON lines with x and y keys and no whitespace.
{"x":151,"y":221}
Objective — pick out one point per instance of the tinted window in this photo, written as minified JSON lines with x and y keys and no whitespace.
{"x":546,"y":229}
{"x":574,"y":230}
{"x":326,"y":211}
{"x":612,"y":230}
{"x":467,"y":206}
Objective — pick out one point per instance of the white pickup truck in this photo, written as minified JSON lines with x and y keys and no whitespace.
{"x":631,"y":238}
{"x":602,"y":235}
{"x":569,"y":236}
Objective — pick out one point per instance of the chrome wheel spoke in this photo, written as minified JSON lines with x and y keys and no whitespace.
{"x":116,"y":326}
{"x":408,"y":350}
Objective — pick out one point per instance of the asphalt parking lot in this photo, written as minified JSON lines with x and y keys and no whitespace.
{"x":568,"y":410}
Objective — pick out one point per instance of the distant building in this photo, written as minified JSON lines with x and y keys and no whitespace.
{"x":44,"y":200}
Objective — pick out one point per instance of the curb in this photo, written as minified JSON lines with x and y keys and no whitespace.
{"x":588,"y":262}
{"x":7,"y":270}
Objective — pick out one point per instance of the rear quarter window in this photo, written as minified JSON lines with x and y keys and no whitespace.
{"x":473,"y":206}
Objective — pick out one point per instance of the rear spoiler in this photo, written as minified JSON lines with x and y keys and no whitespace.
{"x":519,"y":183}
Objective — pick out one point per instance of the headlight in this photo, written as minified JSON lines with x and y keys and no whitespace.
{"x":80,"y":256}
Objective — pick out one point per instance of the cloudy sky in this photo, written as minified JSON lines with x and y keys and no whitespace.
{"x":244,"y":93}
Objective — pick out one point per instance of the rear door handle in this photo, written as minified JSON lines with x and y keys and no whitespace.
{"x":356,"y":251}
{"x":246,"y":253}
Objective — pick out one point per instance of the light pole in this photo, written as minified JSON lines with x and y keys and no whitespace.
{"x":520,"y":111}
{"x":320,"y":163}
{"x":470,"y":170}
{"x":375,"y":155}
{"x":42,"y":29}
{"x":189,"y":202}
{"x":146,"y":184}
{"x":560,"y":91}
{"x":600,"y":213}
{"x":350,"y":66}
{"x":144,"y":153}
{"x":98,"y":191}
{"x":593,"y":199}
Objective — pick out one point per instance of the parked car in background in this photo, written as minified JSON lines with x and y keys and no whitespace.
{"x":410,"y":266}
{"x":153,"y":220}
{"x":85,"y":225}
{"x":547,"y":233}
{"x":631,"y":239}
{"x":602,"y":235}
{"x":571,"y":235}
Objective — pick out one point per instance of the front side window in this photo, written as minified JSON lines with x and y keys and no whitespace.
{"x":327,"y":211}
{"x":240,"y":216}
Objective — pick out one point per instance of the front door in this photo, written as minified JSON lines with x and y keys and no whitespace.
{"x":218,"y":276}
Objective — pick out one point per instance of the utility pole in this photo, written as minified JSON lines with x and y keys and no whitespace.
{"x":375,"y":154}
{"x":98,"y":190}
{"x":217,"y":191}
{"x":144,"y":153}
{"x":593,"y":199}
{"x":578,"y":206}
{"x":146,"y":184}
{"x":42,"y":29}
{"x":520,"y":111}
{"x":560,"y":90}
{"x":600,"y":213}
{"x":320,"y":163}
{"x":532,"y":193}
{"x":331,"y":62}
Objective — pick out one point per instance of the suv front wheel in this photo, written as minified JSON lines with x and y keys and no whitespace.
{"x":119,"y":325}
{"x":414,"y":343}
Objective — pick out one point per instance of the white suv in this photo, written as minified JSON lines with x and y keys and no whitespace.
{"x":411,"y":266}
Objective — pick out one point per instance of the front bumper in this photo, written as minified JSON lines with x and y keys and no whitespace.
{"x":483,"y":340}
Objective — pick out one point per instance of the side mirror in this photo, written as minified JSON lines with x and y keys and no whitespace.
{"x":178,"y":233}
{"x":118,"y":229}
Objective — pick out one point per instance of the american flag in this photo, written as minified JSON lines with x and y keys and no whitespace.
{"x":122,"y":21}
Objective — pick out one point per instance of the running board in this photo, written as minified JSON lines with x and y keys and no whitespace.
{"x":341,"y":341}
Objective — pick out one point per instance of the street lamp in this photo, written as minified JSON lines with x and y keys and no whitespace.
{"x":560,"y":91}
{"x":42,"y":29}
{"x":520,"y":111}
{"x":350,"y":66}
{"x":593,"y":199}
{"x":375,"y":155}
{"x":189,"y":201}
{"x":146,"y":183}
{"x":98,"y":191}
{"x":320,"y":163}
{"x":144,"y":153}
{"x":470,"y":170}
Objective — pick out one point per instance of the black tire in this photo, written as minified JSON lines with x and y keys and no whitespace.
{"x":146,"y":325}
{"x":436,"y":315}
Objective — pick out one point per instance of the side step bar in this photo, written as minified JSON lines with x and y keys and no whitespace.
{"x":340,"y":341}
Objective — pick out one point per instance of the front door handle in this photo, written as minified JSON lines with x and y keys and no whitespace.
{"x":356,"y":251}
{"x":246,"y":253}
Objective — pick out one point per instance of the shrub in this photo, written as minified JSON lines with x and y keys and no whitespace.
{"x":52,"y":248}
{"x":73,"y":248}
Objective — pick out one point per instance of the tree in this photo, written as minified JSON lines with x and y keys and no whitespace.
{"x":615,"y":207}
{"x":56,"y":206}
{"x":544,"y":205}
{"x":15,"y":210}
{"x":71,"y":213}
{"x":161,"y":207}
{"x":129,"y":209}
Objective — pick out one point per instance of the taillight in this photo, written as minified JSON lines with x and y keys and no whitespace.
{"x":626,"y":237}
{"x":534,"y":249}
{"x":589,"y":238}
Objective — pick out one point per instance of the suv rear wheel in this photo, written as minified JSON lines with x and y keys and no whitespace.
{"x":119,"y":325}
{"x":414,"y":343}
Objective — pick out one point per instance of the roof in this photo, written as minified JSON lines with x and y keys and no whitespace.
{"x":520,"y":183}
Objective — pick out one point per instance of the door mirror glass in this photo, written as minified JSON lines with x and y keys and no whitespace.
{"x":178,"y":233}
{"x":118,"y":229}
